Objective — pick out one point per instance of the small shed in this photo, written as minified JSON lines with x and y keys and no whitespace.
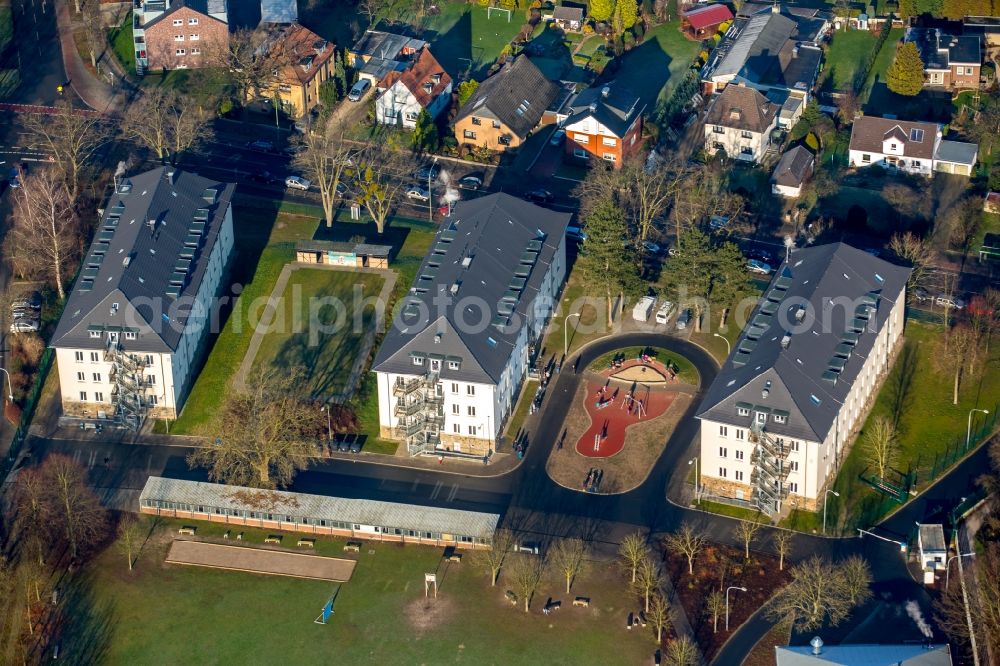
{"x":704,"y":21}
{"x":990,"y":249}
{"x":568,"y":18}
{"x":794,"y":168}
{"x":360,"y":255}
{"x":932,"y":547}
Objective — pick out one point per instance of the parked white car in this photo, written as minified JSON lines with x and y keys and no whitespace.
{"x":297,"y":183}
{"x":416,"y":193}
{"x":663,"y":314}
{"x":24,"y":325}
{"x":950,"y":302}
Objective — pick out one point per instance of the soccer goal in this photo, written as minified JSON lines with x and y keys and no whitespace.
{"x":499,"y":10}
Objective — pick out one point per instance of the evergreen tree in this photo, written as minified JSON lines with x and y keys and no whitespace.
{"x":339,"y":74}
{"x":905,"y":75}
{"x":705,"y":272}
{"x":607,"y":261}
{"x":425,"y":134}
{"x":601,"y":10}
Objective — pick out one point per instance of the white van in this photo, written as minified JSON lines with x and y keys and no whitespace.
{"x":663,"y":314}
{"x":643,"y":308}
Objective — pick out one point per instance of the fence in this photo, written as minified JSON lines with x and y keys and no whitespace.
{"x":28,"y":413}
{"x":957,"y":449}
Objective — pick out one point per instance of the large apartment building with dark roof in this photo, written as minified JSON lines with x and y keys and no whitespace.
{"x":133,"y":326}
{"x":780,"y":416}
{"x":451,"y":365}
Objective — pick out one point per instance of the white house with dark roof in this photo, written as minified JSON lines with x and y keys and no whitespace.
{"x":913,"y":147}
{"x":739,"y":123}
{"x":133,"y":327}
{"x":780,"y":416}
{"x":450,"y":367}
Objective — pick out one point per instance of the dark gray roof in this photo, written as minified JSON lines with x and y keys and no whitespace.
{"x":614,"y":106}
{"x":793,"y":374}
{"x":132,"y":264}
{"x":568,"y":13}
{"x":502,"y":235}
{"x":940,"y":50}
{"x":205,"y":7}
{"x":957,"y":152}
{"x":915,"y":653}
{"x":794,"y":167}
{"x":517,"y":96}
{"x":385,"y":45}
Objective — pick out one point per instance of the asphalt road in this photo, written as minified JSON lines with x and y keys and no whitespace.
{"x":533,"y":504}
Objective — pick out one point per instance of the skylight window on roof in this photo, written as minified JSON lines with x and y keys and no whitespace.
{"x":769,"y":307}
{"x":916,"y":135}
{"x":201,"y":215}
{"x":879,"y":278}
{"x":857,"y":325}
{"x":849,"y":338}
{"x":491,"y":342}
{"x":815,"y":400}
{"x":740,"y":359}
{"x":534,"y":245}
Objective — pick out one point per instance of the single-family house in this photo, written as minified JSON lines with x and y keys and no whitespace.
{"x":913,"y":147}
{"x":604,"y":123}
{"x":703,"y":21}
{"x":177,"y":34}
{"x":781,"y":414}
{"x":569,"y":19}
{"x":739,"y":123}
{"x":506,"y":107}
{"x":793,"y":170}
{"x":950,"y":61}
{"x":135,"y":325}
{"x":424,"y":86}
{"x":450,"y":368}
{"x":308,"y":62}
{"x":377,"y":53}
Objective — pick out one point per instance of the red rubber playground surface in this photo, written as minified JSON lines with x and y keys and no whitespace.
{"x":611,"y":421}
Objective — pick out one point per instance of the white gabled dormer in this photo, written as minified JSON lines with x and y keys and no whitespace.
{"x":894,"y":141}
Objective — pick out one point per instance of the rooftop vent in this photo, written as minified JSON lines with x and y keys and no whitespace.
{"x":127,"y":260}
{"x":466,"y":262}
{"x":437,"y":337}
{"x":593,"y":107}
{"x":605,"y":91}
{"x":817,"y":645}
{"x":152,"y":225}
{"x":764,"y":393}
{"x":453,"y":289}
{"x":125,"y":187}
{"x":172,"y":177}
{"x":786,"y":340}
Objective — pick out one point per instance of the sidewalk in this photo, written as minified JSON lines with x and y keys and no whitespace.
{"x":96,"y":94}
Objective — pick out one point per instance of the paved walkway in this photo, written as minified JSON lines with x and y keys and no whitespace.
{"x":95,"y":93}
{"x":267,"y":317}
{"x":261,"y":561}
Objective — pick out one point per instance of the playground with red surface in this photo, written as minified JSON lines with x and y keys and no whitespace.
{"x":611,"y":412}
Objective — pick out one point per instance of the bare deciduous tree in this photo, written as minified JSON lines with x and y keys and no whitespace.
{"x":915,"y":251}
{"x":715,"y":606}
{"x":326,"y":161}
{"x":632,"y":550}
{"x":857,"y":578}
{"x":820,"y":592}
{"x":94,"y":33}
{"x":34,"y":514}
{"x":46,"y":231}
{"x":267,"y":429}
{"x":74,"y":506}
{"x":953,"y":353}
{"x":983,"y":595}
{"x":568,"y":557}
{"x":251,"y":60}
{"x":783,"y":546}
{"x":71,"y":136}
{"x":166,"y":121}
{"x":681,"y":652}
{"x":746,"y":531}
{"x":525,"y":574}
{"x":648,"y":580}
{"x":379,"y":182}
{"x":492,"y":559}
{"x":130,"y":535}
{"x":658,"y":614}
{"x":703,"y":194}
{"x":879,"y":443}
{"x":688,"y":541}
{"x":643,"y":193}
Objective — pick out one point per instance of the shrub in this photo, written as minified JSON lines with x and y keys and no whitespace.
{"x":703,"y":55}
{"x":724,"y":27}
{"x":588,"y":29}
{"x":629,"y":40}
{"x":812,"y":142}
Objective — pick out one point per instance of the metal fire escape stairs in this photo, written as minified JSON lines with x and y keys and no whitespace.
{"x":420,"y":410}
{"x":128,"y":394}
{"x":770,"y":469}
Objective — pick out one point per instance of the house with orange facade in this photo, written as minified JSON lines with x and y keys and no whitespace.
{"x":308,"y":62}
{"x":604,"y":123}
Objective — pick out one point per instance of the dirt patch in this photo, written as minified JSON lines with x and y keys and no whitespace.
{"x":256,"y":560}
{"x":644,"y":443}
{"x":424,"y":614}
{"x":640,"y":373}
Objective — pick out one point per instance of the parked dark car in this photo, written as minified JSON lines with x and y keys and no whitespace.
{"x":543,"y":197}
{"x":265,"y":177}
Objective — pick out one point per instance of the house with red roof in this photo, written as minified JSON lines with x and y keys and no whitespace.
{"x":404,"y":94}
{"x":704,"y":21}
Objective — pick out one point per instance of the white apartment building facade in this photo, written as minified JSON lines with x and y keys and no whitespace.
{"x":135,"y":323}
{"x":780,"y":417}
{"x":449,"y":370}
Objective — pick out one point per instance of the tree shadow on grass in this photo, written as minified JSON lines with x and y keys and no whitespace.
{"x":86,"y":626}
{"x":899,"y":383}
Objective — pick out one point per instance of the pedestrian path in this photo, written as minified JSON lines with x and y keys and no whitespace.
{"x":96,"y":94}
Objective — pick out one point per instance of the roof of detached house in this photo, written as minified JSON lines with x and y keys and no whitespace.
{"x":425,"y":80}
{"x":794,"y":167}
{"x":918,"y":139}
{"x":706,"y":16}
{"x":940,"y":50}
{"x":517,"y":96}
{"x":568,"y":14}
{"x":742,"y":108}
{"x":306,"y":51}
{"x":613,"y":105}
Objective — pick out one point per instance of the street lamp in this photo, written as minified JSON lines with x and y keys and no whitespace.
{"x":696,"y":477}
{"x":902,"y":545}
{"x":430,"y":192}
{"x":968,"y":428}
{"x":566,"y":333}
{"x":10,"y":389}
{"x":734,"y":587}
{"x":947,"y":571}
{"x":729,"y":347}
{"x":825,"y":498}
{"x":329,"y":430}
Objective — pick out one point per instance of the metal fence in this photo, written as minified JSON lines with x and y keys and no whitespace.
{"x":28,"y":413}
{"x":961,"y":445}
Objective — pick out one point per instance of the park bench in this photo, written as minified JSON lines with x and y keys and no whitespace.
{"x":455,"y":557}
{"x":189,"y":531}
{"x":311,"y":543}
{"x":582,"y":602}
{"x":511,"y":597}
{"x":352,"y":547}
{"x":273,"y":538}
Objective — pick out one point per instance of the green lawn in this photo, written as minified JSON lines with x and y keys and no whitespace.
{"x":652,"y":68}
{"x":882,"y":62}
{"x":463,"y":38}
{"x":590,"y":45}
{"x":928,"y":423}
{"x":730,"y":510}
{"x":516,"y":421}
{"x":686,"y":372}
{"x":6,"y":26}
{"x":847,"y":53}
{"x":122,"y":44}
{"x":321,"y":323}
{"x":170,"y":614}
{"x":707,"y":339}
{"x":208,"y":83}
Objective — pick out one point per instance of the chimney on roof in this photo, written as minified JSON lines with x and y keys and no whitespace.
{"x":786,"y":340}
{"x":152,"y":225}
{"x":593,"y":107}
{"x":605,"y":91}
{"x":172,"y":177}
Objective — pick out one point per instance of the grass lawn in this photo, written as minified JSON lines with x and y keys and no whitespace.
{"x":652,"y":68}
{"x":928,"y":422}
{"x":204,"y":84}
{"x":590,"y":45}
{"x":6,"y":26}
{"x":516,"y":421}
{"x":686,"y":372}
{"x":847,"y":52}
{"x":707,"y":340}
{"x":324,"y":353}
{"x":122,"y":45}
{"x":729,"y":510}
{"x":882,"y":61}
{"x":463,"y":38}
{"x":590,"y":325}
{"x":210,"y":616}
